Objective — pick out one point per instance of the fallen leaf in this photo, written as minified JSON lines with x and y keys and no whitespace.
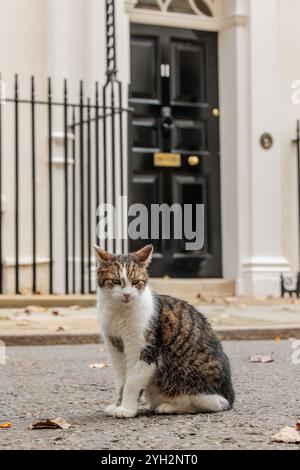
{"x":288,"y":435}
{"x":6,"y":425}
{"x":60,"y":328}
{"x":298,"y":426}
{"x":35,"y":308}
{"x":57,"y":313}
{"x":98,"y":365}
{"x":261,"y":358}
{"x":277,"y":339}
{"x":57,"y":423}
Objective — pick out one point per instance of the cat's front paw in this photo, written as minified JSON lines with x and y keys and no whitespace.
{"x":111,"y":410}
{"x":122,"y":412}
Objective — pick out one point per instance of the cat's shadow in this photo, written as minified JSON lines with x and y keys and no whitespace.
{"x":100,"y":415}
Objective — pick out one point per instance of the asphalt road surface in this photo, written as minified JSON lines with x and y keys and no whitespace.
{"x":51,"y":381}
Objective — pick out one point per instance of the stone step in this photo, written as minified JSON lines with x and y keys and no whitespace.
{"x":192,"y":289}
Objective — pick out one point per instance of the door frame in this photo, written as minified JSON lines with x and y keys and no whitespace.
{"x":222,"y":25}
{"x":252,"y":248}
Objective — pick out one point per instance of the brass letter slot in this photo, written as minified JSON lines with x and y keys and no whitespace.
{"x":170,"y":160}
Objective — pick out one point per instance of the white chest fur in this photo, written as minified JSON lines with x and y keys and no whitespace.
{"x":128,"y":322}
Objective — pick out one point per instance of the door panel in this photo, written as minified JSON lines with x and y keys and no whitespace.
{"x":174,"y":89}
{"x":188,"y":72}
{"x":145,"y":85}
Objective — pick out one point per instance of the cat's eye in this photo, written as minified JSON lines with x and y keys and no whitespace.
{"x":116,"y":281}
{"x":135,"y":282}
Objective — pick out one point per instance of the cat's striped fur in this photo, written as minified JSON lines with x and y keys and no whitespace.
{"x":158,"y":344}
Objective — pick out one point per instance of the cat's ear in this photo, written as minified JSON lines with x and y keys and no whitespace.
{"x":144,"y":256}
{"x":102,"y":255}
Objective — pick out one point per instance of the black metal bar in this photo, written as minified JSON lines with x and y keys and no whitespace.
{"x":97,"y":186}
{"x":121,"y":165}
{"x":89,"y":199}
{"x":56,"y":103}
{"x":66,"y":181}
{"x":1,"y":262}
{"x":113,"y":160}
{"x":17,"y":285}
{"x":74,"y":203}
{"x":105,"y":154}
{"x":50,"y":185}
{"x":33,"y":169}
{"x":81,"y":177}
{"x":129,"y":163}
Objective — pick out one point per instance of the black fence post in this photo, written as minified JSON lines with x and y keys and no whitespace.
{"x":50,"y":186}
{"x":17,"y":183}
{"x":89,"y":199}
{"x":81,"y":151}
{"x":73,"y":203}
{"x":66,"y":177}
{"x":33,"y":182}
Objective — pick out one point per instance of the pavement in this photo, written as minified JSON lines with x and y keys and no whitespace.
{"x":232,"y":317}
{"x":51,"y":381}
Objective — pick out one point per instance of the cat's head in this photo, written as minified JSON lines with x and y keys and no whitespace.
{"x":123,"y":277}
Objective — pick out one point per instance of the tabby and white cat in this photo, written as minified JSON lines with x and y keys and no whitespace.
{"x":158,"y":344}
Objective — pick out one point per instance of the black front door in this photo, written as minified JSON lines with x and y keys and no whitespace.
{"x":174,"y":94}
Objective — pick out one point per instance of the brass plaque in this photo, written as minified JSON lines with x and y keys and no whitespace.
{"x":170,"y":160}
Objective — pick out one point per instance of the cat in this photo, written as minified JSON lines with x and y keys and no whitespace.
{"x":158,"y":345}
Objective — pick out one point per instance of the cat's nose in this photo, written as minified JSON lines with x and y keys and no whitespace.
{"x":126,"y":297}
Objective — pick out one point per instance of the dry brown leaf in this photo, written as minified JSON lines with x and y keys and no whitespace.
{"x":57,"y":313}
{"x":298,"y":426}
{"x":261,"y":358}
{"x":277,"y":339}
{"x":57,"y":423}
{"x":6,"y":425}
{"x":288,"y":435}
{"x":35,"y":308}
{"x":60,"y":328}
{"x":98,"y":365}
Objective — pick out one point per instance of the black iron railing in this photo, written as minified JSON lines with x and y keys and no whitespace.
{"x":90,"y":134}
